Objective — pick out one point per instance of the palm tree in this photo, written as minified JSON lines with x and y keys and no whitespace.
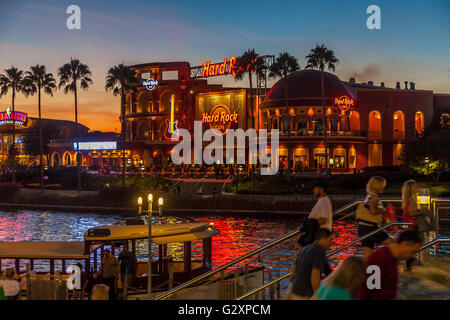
{"x":248,"y":63}
{"x":13,"y":79}
{"x":119,"y":80}
{"x":285,"y":64}
{"x":69,"y":74}
{"x":321,"y":57}
{"x":35,"y":80}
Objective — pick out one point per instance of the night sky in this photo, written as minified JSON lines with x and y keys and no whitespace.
{"x":413,"y":43}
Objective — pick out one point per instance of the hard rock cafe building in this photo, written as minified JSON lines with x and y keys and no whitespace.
{"x":366,"y":124}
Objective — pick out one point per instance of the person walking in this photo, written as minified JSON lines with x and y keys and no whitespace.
{"x":386,"y":259}
{"x":309,"y":266}
{"x":322,"y":210}
{"x":109,"y":273}
{"x":344,"y":282}
{"x":412,"y":213}
{"x":369,"y":215}
{"x":126,"y":267}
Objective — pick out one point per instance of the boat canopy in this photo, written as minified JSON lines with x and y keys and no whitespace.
{"x":161,"y":233}
{"x":43,"y":250}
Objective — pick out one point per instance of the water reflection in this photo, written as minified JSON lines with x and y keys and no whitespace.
{"x":238,"y":235}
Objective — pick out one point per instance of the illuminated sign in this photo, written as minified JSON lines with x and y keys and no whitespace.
{"x":150,"y":84}
{"x":19,"y":117}
{"x":102,"y":145}
{"x":219,"y":69}
{"x":344,"y":103}
{"x":171,"y":130}
{"x":220,"y":118}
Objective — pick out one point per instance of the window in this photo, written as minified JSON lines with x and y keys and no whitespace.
{"x":374,"y":125}
{"x":419,"y":122}
{"x":398,"y":125}
{"x":354,"y":121}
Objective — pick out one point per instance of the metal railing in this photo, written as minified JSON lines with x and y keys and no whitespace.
{"x":355,"y":203}
{"x":287,"y":237}
{"x":329,"y":254}
{"x":434,"y":242}
{"x":223,"y":267}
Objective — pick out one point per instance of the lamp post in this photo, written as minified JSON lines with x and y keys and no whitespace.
{"x":139,"y":206}
{"x":150,"y":208}
{"x":160,"y":204}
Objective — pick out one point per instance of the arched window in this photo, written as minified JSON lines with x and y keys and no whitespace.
{"x":67,"y":159}
{"x":165,"y":104}
{"x":419,"y":122}
{"x":55,"y":159}
{"x":374,"y":125}
{"x":144,"y":103}
{"x":354,"y":121}
{"x":144,"y":132}
{"x":398,"y":125}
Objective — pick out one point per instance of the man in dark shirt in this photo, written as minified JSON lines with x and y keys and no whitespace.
{"x":386,"y":258}
{"x":126,"y":266}
{"x":310,"y":265}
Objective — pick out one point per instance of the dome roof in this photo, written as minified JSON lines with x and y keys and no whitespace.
{"x":304,"y":89}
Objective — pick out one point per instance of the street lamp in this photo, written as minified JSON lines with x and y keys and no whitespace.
{"x":160,"y":204}
{"x":140,"y":205}
{"x":149,"y":273}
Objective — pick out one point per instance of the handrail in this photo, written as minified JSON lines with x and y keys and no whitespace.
{"x":286,"y":237}
{"x":355,"y":202}
{"x":223,"y":267}
{"x":328,"y":255}
{"x":434,"y":241}
{"x":368,"y":235}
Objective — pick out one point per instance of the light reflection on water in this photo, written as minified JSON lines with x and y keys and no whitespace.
{"x":238,"y":235}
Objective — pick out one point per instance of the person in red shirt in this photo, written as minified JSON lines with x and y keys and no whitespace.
{"x":386,"y":258}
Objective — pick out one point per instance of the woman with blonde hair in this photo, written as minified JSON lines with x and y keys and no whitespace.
{"x":370,"y":216}
{"x":344,"y":282}
{"x":410,"y":212}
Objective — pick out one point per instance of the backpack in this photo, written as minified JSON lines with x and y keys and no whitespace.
{"x":308,"y":232}
{"x":363,"y":214}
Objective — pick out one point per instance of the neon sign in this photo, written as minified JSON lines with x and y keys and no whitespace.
{"x":344,"y":103}
{"x":150,"y":84}
{"x":220,"y":118}
{"x":219,"y":69}
{"x":20,"y":118}
{"x":103,"y":145}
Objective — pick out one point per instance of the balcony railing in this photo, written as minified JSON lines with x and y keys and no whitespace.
{"x":307,"y":133}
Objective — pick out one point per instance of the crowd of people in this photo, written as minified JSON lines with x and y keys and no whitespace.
{"x":314,"y":279}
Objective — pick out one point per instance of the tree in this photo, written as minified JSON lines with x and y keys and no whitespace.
{"x":248,"y":63}
{"x":35,"y":80}
{"x":321,"y":57}
{"x":31,"y":141}
{"x":13,"y":79}
{"x":69,"y":75}
{"x":285,"y":64}
{"x":119,"y":80}
{"x":428,"y":155}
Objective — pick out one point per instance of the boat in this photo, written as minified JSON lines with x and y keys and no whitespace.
{"x":166,"y":271}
